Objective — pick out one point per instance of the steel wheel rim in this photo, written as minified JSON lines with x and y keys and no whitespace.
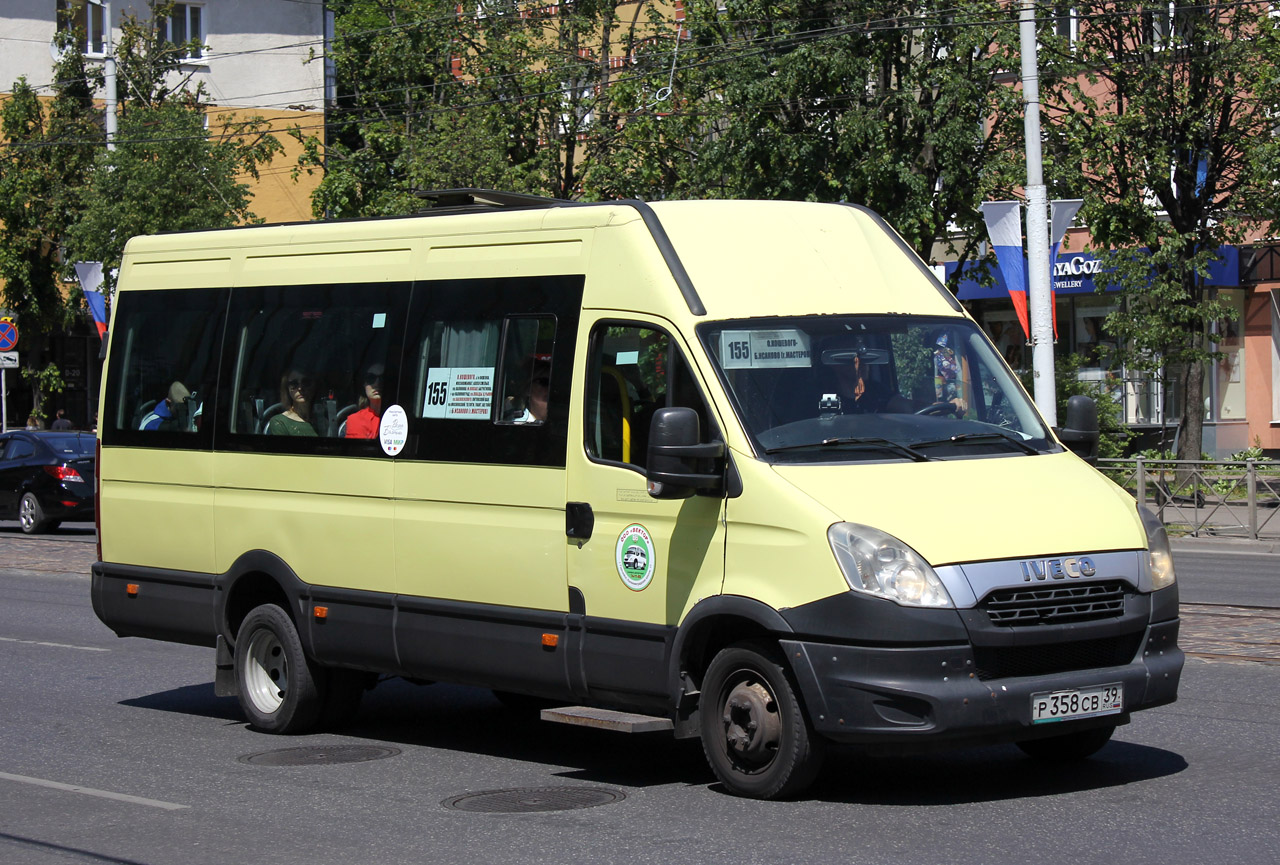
{"x":27,"y":513}
{"x":266,"y":671}
{"x":751,"y":722}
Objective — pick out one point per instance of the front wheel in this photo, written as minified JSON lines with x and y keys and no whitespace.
{"x":280,"y":689}
{"x":754,"y":730}
{"x":1068,"y":746}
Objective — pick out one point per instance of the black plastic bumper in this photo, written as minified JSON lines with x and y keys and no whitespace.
{"x":926,"y":695}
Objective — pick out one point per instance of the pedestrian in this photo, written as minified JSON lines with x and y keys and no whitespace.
{"x":61,"y":422}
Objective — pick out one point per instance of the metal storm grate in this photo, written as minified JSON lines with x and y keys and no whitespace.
{"x":319,"y":755}
{"x":1010,"y":661}
{"x":1056,"y":605}
{"x":529,"y":799}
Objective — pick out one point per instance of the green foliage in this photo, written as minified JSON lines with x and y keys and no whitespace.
{"x":168,"y":172}
{"x":1113,"y":435}
{"x":1171,"y":137}
{"x":44,"y":381}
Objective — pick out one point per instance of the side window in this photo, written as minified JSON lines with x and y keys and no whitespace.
{"x":163,"y":368}
{"x":311,"y":362}
{"x":634,"y":371}
{"x":488,"y":367}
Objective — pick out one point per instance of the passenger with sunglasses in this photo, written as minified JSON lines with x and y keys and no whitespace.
{"x":363,"y":422}
{"x":297,"y":394}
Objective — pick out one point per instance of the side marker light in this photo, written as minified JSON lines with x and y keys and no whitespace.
{"x":321,"y":612}
{"x":131,"y":589}
{"x":550,"y":640}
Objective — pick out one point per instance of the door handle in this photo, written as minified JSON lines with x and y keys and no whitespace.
{"x":579,"y":520}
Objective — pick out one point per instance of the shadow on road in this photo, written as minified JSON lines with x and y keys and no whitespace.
{"x":471,"y":720}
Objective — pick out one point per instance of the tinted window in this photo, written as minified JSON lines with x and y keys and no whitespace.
{"x":163,"y":369}
{"x":71,"y":446}
{"x":306,"y":363}
{"x":487,"y":369}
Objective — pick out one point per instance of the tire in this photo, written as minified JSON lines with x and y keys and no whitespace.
{"x":280,"y":690}
{"x":31,"y":516}
{"x":1069,"y":746}
{"x":755,"y":733}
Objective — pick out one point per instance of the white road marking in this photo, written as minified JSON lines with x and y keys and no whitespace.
{"x":89,"y":791}
{"x":54,"y":645}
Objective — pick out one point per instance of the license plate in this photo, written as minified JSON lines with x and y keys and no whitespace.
{"x":1079,"y":703}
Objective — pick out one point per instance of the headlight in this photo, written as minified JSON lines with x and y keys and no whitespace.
{"x":1159,"y":555}
{"x":879,"y":564}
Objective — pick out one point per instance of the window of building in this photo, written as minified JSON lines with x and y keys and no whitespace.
{"x":1228,"y":371}
{"x":1066,"y":23}
{"x":86,"y":20}
{"x":1275,"y":355}
{"x":184,"y":24}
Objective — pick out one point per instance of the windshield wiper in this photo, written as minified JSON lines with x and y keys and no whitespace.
{"x":866,"y":441}
{"x":979,"y":437}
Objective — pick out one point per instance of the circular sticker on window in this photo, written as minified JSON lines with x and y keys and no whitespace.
{"x":393,"y":430}
{"x":634,"y":555}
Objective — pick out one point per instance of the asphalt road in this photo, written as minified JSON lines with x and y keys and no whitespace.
{"x":117,"y":751}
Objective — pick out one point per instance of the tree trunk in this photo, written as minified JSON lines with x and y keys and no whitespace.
{"x":1192,"y":425}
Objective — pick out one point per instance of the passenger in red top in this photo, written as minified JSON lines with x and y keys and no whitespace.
{"x":363,"y":423}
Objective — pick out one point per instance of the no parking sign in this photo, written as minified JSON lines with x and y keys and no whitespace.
{"x":8,"y":334}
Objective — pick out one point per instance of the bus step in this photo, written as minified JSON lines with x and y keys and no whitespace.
{"x":605,"y":719}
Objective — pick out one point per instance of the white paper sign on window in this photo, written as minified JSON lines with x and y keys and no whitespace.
{"x":459,"y":393}
{"x":764,"y":349}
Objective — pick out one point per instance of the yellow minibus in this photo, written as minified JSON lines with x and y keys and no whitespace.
{"x":743,"y":468}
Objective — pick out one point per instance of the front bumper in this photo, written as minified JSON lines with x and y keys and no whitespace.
{"x":925,"y":695}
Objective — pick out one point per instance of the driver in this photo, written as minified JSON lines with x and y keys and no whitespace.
{"x":851,"y":385}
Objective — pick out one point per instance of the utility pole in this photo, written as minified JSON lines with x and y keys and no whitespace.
{"x":1039,"y":301}
{"x":108,"y":72}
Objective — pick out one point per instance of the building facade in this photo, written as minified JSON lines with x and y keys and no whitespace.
{"x":260,"y":58}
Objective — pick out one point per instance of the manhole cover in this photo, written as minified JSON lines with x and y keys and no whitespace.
{"x":528,"y":799}
{"x":320,"y":755}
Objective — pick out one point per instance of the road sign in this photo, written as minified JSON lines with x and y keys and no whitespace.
{"x":8,"y":360}
{"x":8,"y":335}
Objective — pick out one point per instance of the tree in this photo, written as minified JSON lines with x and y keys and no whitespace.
{"x":896,"y":105}
{"x":44,"y":167}
{"x":167,"y":171}
{"x":1166,"y":119}
{"x":435,"y":95}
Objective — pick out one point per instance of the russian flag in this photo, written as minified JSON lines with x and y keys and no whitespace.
{"x":90,"y":276}
{"x":1004,"y":225}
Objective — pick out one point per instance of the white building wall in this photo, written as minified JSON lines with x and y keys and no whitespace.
{"x":255,"y":56}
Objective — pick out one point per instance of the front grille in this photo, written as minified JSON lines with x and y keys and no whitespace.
{"x":1010,"y":661}
{"x":1056,"y":605}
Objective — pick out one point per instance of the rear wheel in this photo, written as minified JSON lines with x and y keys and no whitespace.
{"x":754,"y":730}
{"x":31,"y":516}
{"x":1068,"y":746}
{"x":281,"y":691}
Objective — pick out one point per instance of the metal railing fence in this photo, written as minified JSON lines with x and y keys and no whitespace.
{"x":1199,"y":497}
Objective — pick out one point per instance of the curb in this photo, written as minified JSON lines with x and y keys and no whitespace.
{"x":1261,"y":547}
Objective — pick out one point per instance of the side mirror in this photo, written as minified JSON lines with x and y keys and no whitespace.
{"x":675,"y":452}
{"x":1080,"y":433}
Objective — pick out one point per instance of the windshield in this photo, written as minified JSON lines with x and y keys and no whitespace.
{"x":848,"y":388}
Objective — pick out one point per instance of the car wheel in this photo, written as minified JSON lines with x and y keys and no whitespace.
{"x":280,"y":689}
{"x":31,"y":516}
{"x":1068,"y":746}
{"x":754,"y":730}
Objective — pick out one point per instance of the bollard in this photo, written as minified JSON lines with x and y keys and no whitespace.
{"x":1251,"y":482}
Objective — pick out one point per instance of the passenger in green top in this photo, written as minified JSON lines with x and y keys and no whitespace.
{"x":297,"y":391}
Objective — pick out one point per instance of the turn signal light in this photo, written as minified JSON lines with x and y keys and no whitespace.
{"x":321,"y":612}
{"x":131,"y":589}
{"x":551,"y":640}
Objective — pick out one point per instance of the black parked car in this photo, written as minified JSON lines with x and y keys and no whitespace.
{"x":46,"y":478}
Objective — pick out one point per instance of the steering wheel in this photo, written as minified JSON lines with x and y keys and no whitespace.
{"x":940,"y":408}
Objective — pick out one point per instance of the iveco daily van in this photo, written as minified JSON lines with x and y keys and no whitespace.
{"x":743,"y":467}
